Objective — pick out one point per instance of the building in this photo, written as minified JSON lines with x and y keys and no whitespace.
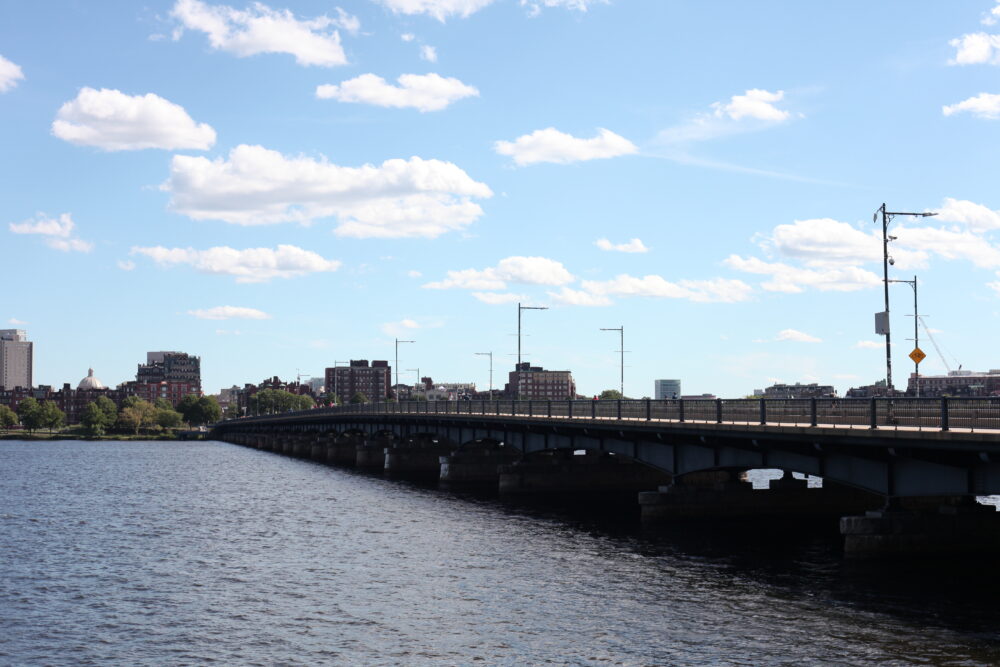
{"x":876,"y":390}
{"x":956,"y":383}
{"x":374,"y":381}
{"x":798,"y":390}
{"x":16,"y":359}
{"x":70,"y":401}
{"x":241,"y":397}
{"x":168,"y":375}
{"x":527,"y":382}
{"x":666,"y":389}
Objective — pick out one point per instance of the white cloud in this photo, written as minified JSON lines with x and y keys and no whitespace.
{"x":796,"y":336}
{"x":551,"y":145}
{"x":126,"y":265}
{"x":260,"y":29}
{"x":995,"y":286}
{"x":114,"y":121}
{"x":753,"y":110}
{"x":439,"y":9}
{"x":572,"y":297}
{"x":754,"y":103}
{"x":400,"y":328}
{"x":57,"y":233}
{"x":525,"y":270}
{"x":414,"y":273}
{"x":950,"y":244}
{"x":535,"y":6}
{"x":824,"y":242}
{"x":791,"y":279}
{"x":869,"y":345}
{"x":715,"y":290}
{"x":10,"y":74}
{"x":498,"y":298}
{"x":424,"y":92}
{"x":429,"y":53}
{"x":977,"y":48}
{"x":984,"y":105}
{"x":634,"y":245}
{"x":407,"y":37}
{"x":253,"y":265}
{"x":229,"y":313}
{"x":977,"y":217}
{"x":256,"y":186}
{"x":16,"y":322}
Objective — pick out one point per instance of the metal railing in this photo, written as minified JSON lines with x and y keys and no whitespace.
{"x":938,"y":414}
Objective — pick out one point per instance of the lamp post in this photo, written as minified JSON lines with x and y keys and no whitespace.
{"x":397,"y":362}
{"x":621,"y":341}
{"x":518,"y":367}
{"x":916,"y":331}
{"x":490,"y":355}
{"x":887,"y":217}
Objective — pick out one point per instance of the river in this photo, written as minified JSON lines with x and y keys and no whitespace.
{"x":200,"y":553}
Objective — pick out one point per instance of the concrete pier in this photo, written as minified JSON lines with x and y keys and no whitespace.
{"x":563,"y":472}
{"x":370,"y":453}
{"x":343,"y":450}
{"x":722,"y":494}
{"x":417,"y":458}
{"x":476,"y":464}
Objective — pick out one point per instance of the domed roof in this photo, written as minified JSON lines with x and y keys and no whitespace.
{"x":90,"y":382}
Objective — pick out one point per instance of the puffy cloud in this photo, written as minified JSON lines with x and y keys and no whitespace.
{"x":255,"y":186}
{"x":400,"y":328}
{"x":791,"y":279}
{"x":413,"y":273}
{"x":984,"y":105}
{"x":950,"y":244}
{"x":977,"y":48}
{"x":16,"y":322}
{"x":229,"y":313}
{"x":572,"y":297}
{"x":439,"y":9}
{"x":425,"y":92}
{"x":524,"y":270}
{"x":253,"y":265}
{"x":977,"y":217}
{"x":551,"y":145}
{"x":10,"y":74}
{"x":407,"y":37}
{"x":753,"y":110}
{"x":869,"y":345}
{"x":126,"y":265}
{"x":498,"y":298}
{"x":260,"y":29}
{"x":429,"y":53}
{"x":754,"y":103}
{"x":634,"y":245}
{"x":535,"y":6}
{"x":717,"y":290}
{"x":114,"y":121}
{"x":58,"y":233}
{"x":796,"y":336}
{"x":824,"y":242}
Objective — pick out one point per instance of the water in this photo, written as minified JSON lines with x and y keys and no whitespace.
{"x":206,"y":553}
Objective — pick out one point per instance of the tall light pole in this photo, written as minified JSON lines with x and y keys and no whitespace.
{"x":621,"y":344}
{"x":397,"y":362}
{"x":490,"y":355}
{"x":887,"y":217}
{"x":519,"y":309}
{"x":916,"y":331}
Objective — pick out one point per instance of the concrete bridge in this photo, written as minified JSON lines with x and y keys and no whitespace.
{"x":917,"y":464}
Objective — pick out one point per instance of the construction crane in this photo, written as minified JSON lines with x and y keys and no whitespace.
{"x":937,"y":347}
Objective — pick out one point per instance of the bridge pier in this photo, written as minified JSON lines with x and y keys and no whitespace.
{"x":906,"y":530}
{"x":563,"y":472}
{"x":417,"y":457}
{"x":476,"y":464}
{"x":370,"y":453}
{"x":721,"y":494}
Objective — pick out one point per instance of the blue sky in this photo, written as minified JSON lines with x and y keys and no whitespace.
{"x":277,"y":187}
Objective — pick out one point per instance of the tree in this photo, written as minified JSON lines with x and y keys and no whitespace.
{"x":136,"y":414}
{"x":610,"y":395}
{"x":52,"y":416}
{"x":199,"y":410}
{"x":168,"y":418}
{"x":163,"y":404}
{"x":110,"y":410}
{"x":95,"y":420}
{"x":269,"y":401}
{"x":232,"y":411}
{"x":187,"y":406}
{"x":8,"y":417}
{"x":359,"y":398}
{"x":30,"y":413}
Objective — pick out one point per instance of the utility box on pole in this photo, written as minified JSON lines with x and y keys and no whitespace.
{"x":882,"y":323}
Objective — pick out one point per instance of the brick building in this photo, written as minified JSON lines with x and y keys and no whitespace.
{"x":527,"y":382}
{"x":373,"y":381}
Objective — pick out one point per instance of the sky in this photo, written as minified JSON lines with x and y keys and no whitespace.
{"x":278,"y":187}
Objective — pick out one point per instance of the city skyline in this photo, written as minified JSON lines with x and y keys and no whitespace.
{"x":277,"y":186}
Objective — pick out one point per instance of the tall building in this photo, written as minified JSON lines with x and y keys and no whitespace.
{"x":16,"y":359}
{"x":374,"y":381}
{"x":666,"y":389}
{"x":527,"y":382}
{"x":167,"y":375}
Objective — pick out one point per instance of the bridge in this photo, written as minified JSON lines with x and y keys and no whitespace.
{"x":909,"y":454}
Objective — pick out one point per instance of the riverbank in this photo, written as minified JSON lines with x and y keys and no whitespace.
{"x":72,"y":435}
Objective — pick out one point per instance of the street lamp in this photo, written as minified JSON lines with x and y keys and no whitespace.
{"x":621,"y":334}
{"x":916,"y":334}
{"x":519,"y":309}
{"x":490,"y":355}
{"x":887,"y":217}
{"x":397,"y":362}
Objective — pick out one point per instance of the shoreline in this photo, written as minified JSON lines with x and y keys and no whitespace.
{"x":42,"y":437}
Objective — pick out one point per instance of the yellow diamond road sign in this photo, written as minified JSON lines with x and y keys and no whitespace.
{"x":917,"y":355}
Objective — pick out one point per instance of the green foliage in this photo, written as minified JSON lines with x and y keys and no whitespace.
{"x":232,"y":411}
{"x":52,"y":416}
{"x":359,"y":398}
{"x":168,"y":417}
{"x":8,"y":417}
{"x":95,"y":420}
{"x":31,"y":415}
{"x":110,"y":410}
{"x":610,"y":395}
{"x":271,"y":401}
{"x":209,"y":411}
{"x":136,"y":414}
{"x":163,"y":404}
{"x":188,"y":407}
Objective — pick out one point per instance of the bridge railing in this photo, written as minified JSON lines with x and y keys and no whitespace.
{"x":899,"y":413}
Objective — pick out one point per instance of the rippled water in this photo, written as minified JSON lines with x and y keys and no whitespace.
{"x":208,"y":553}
